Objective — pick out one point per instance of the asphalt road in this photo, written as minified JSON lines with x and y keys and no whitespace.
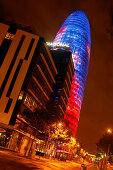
{"x":12,"y":161}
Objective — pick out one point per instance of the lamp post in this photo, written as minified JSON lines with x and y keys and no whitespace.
{"x":60,"y":124}
{"x":109,"y":131}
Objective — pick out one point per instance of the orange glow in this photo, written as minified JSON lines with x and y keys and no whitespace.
{"x":88,"y":50}
{"x":60,"y":124}
{"x":109,"y":131}
{"x":78,"y":145}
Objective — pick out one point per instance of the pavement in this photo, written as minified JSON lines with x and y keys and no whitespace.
{"x":10,"y":160}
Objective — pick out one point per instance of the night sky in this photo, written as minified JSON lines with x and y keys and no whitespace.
{"x":46,"y":17}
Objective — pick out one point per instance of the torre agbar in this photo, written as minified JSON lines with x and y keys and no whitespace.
{"x":75,"y":32}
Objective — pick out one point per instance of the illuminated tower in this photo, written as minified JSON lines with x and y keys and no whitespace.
{"x":76,"y":33}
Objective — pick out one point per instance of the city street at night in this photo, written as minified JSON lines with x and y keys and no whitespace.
{"x":10,"y":161}
{"x":56,"y":85}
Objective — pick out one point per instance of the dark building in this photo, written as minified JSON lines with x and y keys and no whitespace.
{"x":27,"y":70}
{"x":27,"y":74}
{"x":59,"y":97}
{"x":38,"y":83}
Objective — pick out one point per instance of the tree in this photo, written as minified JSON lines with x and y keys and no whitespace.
{"x":37,"y":122}
{"x":36,"y":119}
{"x":58,"y":132}
{"x":104,"y":142}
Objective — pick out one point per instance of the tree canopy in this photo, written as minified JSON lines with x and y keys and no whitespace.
{"x":105,"y":141}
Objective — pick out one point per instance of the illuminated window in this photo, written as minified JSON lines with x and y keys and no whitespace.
{"x":30,"y":102}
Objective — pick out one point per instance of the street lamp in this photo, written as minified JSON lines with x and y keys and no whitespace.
{"x":78,"y":145}
{"x":109,"y":131}
{"x":60,"y":124}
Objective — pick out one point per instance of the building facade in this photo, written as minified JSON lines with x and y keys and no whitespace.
{"x":27,"y":74}
{"x":75,"y":32}
{"x":61,"y":89}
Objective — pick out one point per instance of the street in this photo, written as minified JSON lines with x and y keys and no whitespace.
{"x":12,"y":161}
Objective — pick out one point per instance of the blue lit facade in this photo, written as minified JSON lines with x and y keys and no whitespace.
{"x":76,"y":32}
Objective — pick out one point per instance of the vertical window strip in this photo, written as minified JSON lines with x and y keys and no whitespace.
{"x":11,"y":65}
{"x":14,"y":78}
{"x":29,"y":49}
{"x":8,"y":105}
{"x":4,"y":49}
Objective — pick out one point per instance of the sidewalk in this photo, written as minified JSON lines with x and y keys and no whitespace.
{"x":16,"y":153}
